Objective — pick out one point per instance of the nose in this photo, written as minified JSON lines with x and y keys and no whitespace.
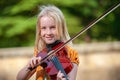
{"x":48,"y":31}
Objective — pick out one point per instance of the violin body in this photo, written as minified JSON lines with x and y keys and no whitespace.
{"x":62,"y":57}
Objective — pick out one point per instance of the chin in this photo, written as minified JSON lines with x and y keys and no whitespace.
{"x":50,"y":42}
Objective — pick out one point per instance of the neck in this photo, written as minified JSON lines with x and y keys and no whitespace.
{"x":50,"y":46}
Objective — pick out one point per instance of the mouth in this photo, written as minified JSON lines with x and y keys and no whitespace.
{"x":49,"y":38}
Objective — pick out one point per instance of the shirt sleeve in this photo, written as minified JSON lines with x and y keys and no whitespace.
{"x":73,"y":55}
{"x":35,"y":52}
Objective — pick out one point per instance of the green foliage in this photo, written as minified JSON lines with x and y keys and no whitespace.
{"x":18,"y":20}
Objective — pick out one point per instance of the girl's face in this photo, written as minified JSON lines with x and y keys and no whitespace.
{"x":48,"y":30}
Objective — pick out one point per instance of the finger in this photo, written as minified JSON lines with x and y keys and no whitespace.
{"x":62,"y":75}
{"x":35,"y":60}
{"x":31,"y":63}
{"x":38,"y":59}
{"x":58,"y":73}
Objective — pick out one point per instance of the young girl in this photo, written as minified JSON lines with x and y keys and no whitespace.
{"x":50,"y":30}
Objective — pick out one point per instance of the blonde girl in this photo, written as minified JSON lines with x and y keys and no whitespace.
{"x":51,"y":27}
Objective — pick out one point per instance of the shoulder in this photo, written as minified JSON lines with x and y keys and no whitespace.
{"x":73,"y":54}
{"x":71,"y":50}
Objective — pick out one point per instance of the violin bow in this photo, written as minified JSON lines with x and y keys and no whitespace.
{"x":51,"y":53}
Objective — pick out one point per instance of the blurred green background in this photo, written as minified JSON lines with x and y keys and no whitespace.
{"x":18,"y":20}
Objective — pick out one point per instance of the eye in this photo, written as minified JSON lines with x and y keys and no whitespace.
{"x":43,"y":28}
{"x":53,"y":27}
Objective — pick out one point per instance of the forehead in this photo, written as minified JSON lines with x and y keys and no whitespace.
{"x":47,"y":20}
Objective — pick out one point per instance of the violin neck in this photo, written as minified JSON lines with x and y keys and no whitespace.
{"x":58,"y":66}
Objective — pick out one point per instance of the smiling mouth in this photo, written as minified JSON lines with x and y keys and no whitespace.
{"x":48,"y":37}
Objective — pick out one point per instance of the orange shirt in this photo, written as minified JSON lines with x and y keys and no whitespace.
{"x":72,"y":54}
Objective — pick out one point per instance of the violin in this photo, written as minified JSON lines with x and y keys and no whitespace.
{"x":58,"y":61}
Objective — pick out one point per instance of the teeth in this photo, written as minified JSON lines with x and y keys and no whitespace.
{"x":49,"y":38}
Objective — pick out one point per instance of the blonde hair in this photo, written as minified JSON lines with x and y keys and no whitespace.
{"x":57,"y":15}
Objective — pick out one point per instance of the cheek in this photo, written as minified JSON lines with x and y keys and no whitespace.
{"x":42,"y":33}
{"x":57,"y":35}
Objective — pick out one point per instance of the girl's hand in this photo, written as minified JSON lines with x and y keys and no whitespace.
{"x":60,"y":76}
{"x":33,"y":62}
